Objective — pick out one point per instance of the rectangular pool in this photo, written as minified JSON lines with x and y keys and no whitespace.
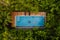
{"x":29,"y":21}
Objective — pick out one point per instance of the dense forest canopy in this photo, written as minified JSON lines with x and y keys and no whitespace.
{"x":52,"y":25}
{"x":30,"y":5}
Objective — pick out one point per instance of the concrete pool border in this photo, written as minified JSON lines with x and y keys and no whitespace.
{"x":22,"y":14}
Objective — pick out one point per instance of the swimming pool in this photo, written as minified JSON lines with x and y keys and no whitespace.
{"x":29,"y":21}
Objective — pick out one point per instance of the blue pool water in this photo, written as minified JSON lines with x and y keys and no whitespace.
{"x":29,"y":21}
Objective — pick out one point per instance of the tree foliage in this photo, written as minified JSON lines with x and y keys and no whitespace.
{"x":52,"y":25}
